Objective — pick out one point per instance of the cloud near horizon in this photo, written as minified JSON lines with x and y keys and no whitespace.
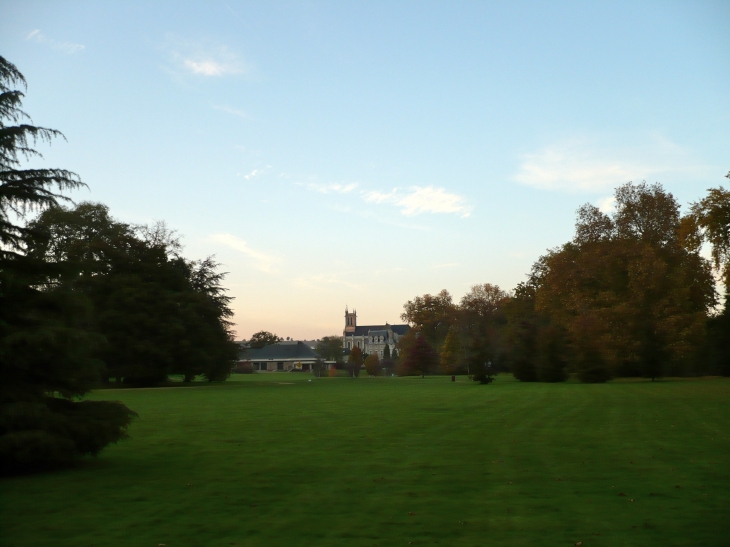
{"x":66,"y":47}
{"x":420,"y":199}
{"x":262,"y":261}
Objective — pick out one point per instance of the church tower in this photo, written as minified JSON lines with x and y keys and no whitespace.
{"x":350,"y":321}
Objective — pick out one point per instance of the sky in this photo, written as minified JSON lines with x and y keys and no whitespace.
{"x":359,"y":154}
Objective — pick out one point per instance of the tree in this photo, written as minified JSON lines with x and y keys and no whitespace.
{"x":431,"y":315}
{"x":451,"y":353}
{"x":386,"y":352}
{"x":158,"y":312}
{"x":481,"y":320}
{"x":354,"y":361}
{"x":372,"y":365}
{"x":523,"y":323}
{"x":646,"y":213}
{"x":46,"y":347}
{"x":609,"y":293}
{"x":421,"y":357}
{"x":263,"y":338}
{"x":330,"y":348}
{"x":551,"y":354}
{"x":712,"y":217}
{"x":318,"y":367}
{"x":712,"y":214}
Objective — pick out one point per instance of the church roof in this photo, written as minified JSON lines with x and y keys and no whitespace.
{"x":363,"y":330}
{"x":280,"y":351}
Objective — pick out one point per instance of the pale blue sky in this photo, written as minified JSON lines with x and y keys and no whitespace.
{"x":362,"y":153}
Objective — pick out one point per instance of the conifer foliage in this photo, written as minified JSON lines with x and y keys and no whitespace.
{"x":46,"y":345}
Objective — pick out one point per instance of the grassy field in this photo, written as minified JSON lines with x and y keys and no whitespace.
{"x":277,"y":460}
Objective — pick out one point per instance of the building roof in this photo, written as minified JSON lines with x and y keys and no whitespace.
{"x":363,"y":330}
{"x":282,"y":351}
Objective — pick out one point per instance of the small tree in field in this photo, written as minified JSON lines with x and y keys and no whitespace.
{"x":372,"y":365}
{"x":354,"y":361}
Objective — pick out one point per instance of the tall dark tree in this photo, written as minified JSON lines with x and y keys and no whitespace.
{"x":158,"y":313}
{"x":523,"y":323}
{"x":712,"y":216}
{"x":421,"y":357}
{"x":46,"y":344}
{"x":481,"y":320}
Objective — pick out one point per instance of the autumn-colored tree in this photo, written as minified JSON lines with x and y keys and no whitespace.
{"x":431,"y":315}
{"x":626,"y":291}
{"x":354,"y":361}
{"x":372,"y":365}
{"x":713,"y":217}
{"x":451,"y":353}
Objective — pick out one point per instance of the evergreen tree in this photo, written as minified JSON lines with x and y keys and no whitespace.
{"x":46,"y":343}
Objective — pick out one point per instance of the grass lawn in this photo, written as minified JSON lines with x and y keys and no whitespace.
{"x":274,"y":459}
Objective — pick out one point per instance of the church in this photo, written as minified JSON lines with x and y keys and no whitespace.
{"x":370,"y":338}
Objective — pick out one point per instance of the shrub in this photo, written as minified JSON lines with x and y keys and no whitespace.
{"x":243,"y":367}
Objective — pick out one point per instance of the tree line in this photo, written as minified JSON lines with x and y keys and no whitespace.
{"x":629,"y":295}
{"x":85,"y":299}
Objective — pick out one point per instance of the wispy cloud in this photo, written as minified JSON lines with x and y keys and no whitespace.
{"x":262,"y":261}
{"x":417,"y":200}
{"x":65,"y":47}
{"x":572,"y":168}
{"x":230,"y":110}
{"x":331,"y":188}
{"x":255,"y":172}
{"x":204,"y":58}
{"x":587,"y":165}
